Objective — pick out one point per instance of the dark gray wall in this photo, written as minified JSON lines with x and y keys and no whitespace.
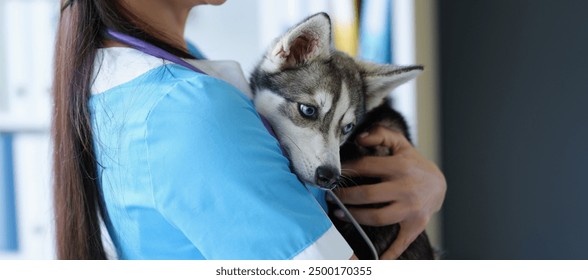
{"x":514,"y":84}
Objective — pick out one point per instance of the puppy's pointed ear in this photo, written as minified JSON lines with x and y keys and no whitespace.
{"x":308,"y":41}
{"x":381,"y":79}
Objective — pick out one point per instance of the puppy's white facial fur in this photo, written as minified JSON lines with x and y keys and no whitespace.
{"x":308,"y":147}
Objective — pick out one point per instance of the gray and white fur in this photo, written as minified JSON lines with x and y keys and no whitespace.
{"x":314,"y":96}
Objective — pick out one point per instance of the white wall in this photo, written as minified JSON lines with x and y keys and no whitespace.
{"x":242,"y":30}
{"x":227,"y":32}
{"x":3,"y":66}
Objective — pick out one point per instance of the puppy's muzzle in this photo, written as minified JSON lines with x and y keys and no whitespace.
{"x":327,"y":176}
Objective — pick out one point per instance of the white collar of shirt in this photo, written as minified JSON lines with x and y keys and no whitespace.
{"x":118,"y":65}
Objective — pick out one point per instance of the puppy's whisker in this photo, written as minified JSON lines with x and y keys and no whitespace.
{"x":292,"y":141}
{"x":350,"y":172}
{"x":277,"y":127}
{"x":348,"y":180}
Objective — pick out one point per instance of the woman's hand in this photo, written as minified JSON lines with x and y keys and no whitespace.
{"x":414,"y":186}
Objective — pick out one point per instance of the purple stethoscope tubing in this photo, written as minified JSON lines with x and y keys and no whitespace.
{"x":150,"y":49}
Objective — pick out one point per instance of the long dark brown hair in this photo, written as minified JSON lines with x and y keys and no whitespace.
{"x":77,"y":200}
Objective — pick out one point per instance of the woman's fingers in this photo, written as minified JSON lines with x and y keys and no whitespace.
{"x":413,"y":186}
{"x":381,"y":136}
{"x":372,"y":166}
{"x":387,"y":215}
{"x":368,"y":194}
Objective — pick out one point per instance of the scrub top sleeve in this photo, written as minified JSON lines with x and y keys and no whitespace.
{"x":219,"y":177}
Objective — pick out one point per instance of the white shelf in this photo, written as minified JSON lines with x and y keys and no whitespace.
{"x":20,"y":124}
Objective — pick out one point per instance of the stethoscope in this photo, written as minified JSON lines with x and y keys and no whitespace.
{"x":155,"y":51}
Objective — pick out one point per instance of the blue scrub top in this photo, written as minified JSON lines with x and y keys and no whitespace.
{"x":188,"y":171}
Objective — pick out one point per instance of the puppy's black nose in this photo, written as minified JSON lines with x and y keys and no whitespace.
{"x":326,"y":176}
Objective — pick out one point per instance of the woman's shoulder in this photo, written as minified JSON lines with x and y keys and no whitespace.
{"x":117,"y":66}
{"x":124,"y":73}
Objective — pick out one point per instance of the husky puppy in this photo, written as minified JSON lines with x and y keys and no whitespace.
{"x":317,"y":99}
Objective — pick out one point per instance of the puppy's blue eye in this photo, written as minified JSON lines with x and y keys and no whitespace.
{"x":348,"y":128}
{"x":307,"y":111}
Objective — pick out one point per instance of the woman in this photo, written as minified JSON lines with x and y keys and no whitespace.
{"x":179,"y":165}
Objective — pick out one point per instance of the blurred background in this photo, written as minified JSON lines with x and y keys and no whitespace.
{"x":500,"y":107}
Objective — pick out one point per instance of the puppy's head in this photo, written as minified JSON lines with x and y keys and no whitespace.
{"x":314,"y":96}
